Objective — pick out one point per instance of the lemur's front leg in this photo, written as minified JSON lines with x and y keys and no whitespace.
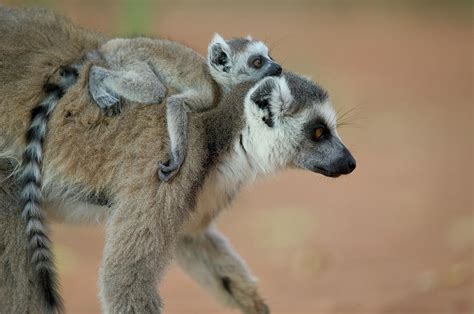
{"x":210,"y":260}
{"x":139,"y":246}
{"x":178,"y":107}
{"x":136,"y":82}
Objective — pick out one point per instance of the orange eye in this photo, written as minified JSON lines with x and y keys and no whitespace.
{"x":257,"y":63}
{"x":318,"y":132}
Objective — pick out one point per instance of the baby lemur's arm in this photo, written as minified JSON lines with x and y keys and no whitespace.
{"x":210,"y":260}
{"x":136,"y":82}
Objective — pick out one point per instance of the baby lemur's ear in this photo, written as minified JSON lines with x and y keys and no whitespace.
{"x":219,"y":54}
{"x":273,"y":97}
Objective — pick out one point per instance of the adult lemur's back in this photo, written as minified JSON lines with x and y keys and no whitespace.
{"x":34,"y":44}
{"x":37,"y":49}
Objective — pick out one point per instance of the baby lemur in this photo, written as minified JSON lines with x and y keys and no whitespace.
{"x":143,"y":69}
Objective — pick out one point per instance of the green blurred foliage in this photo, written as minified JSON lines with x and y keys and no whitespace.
{"x":29,"y":3}
{"x":135,"y":16}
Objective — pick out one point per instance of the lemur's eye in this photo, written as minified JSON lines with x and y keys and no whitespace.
{"x":318,"y":133}
{"x":257,"y":62}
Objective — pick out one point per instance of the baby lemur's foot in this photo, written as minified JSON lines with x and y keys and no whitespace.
{"x":169,"y":169}
{"x":106,"y":99}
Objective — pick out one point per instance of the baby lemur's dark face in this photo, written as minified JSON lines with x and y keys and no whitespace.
{"x":242,"y":59}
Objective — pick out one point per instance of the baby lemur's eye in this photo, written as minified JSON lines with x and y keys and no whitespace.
{"x":318,"y":132}
{"x":257,"y":62}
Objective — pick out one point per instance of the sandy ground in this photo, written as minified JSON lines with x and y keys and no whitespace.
{"x":397,"y":236}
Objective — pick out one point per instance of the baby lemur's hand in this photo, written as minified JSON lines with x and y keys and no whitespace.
{"x":169,"y":169}
{"x":106,"y":99}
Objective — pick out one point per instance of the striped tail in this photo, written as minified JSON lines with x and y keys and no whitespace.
{"x":41,"y":255}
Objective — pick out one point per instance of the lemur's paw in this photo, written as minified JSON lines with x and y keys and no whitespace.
{"x":168,"y":170}
{"x":113,"y":110}
{"x":258,"y":307}
{"x":245,"y":295}
{"x":107,"y":100}
{"x":158,"y":98}
{"x":263,"y":308}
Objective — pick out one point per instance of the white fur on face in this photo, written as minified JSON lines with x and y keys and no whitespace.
{"x":327,"y":113}
{"x":239,"y":71}
{"x":257,"y":47}
{"x":240,"y":62}
{"x":274,"y":148}
{"x":271,"y":148}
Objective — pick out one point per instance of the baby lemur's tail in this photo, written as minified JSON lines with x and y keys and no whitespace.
{"x":30,"y":176}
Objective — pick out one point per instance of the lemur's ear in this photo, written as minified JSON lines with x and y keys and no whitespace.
{"x":219,"y":54}
{"x":273,"y":97}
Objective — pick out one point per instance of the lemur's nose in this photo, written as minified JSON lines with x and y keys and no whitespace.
{"x":347,"y":164}
{"x":351,"y":164}
{"x":275,"y":70}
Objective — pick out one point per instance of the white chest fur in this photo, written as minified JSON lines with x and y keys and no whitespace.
{"x":220,"y":188}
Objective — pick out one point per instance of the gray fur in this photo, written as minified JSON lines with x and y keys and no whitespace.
{"x":137,"y":83}
{"x":209,"y":259}
{"x":229,"y":146}
{"x":146,"y":81}
{"x":239,"y":44}
{"x":149,"y":222}
{"x":304,"y":90}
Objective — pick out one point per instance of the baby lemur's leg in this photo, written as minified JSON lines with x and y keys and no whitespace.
{"x":178,"y":107}
{"x":139,"y":246}
{"x":210,"y":260}
{"x":136,"y":82}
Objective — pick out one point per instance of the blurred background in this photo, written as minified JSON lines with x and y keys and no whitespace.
{"x":397,"y":235}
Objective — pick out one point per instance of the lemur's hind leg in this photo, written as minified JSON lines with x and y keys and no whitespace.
{"x":210,"y":260}
{"x":178,"y":107}
{"x":137,"y":83}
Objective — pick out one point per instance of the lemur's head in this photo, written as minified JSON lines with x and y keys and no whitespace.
{"x":291,"y":123}
{"x":238,"y":60}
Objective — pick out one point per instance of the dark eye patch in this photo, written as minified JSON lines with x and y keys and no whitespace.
{"x":256,"y":61}
{"x":319,"y":133}
{"x":317,"y":129}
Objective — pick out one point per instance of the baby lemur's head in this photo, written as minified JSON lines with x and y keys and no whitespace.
{"x":237,"y":60}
